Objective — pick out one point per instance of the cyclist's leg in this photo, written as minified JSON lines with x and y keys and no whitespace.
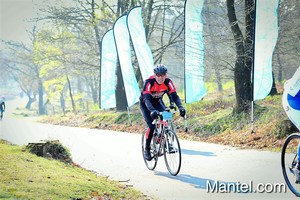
{"x":160,"y":107}
{"x":151,"y":127}
{"x":146,"y":114}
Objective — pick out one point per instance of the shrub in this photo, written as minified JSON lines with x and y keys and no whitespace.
{"x":51,"y":149}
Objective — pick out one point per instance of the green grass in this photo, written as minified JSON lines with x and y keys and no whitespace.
{"x":26,"y":176}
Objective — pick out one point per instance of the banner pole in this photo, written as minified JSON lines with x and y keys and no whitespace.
{"x":184,"y":43}
{"x":129,"y":119}
{"x":184,"y":67}
{"x":252,"y":71}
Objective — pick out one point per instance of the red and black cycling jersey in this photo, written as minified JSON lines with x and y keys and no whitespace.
{"x":153,"y":92}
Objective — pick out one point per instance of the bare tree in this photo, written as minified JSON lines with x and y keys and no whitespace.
{"x":20,"y":62}
{"x":287,"y":51}
{"x":242,"y":70}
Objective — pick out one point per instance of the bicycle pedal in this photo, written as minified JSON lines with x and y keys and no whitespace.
{"x":172,"y":151}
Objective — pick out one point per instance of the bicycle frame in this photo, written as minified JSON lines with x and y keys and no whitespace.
{"x":161,"y":125}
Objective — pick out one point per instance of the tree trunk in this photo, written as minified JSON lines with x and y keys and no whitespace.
{"x":274,"y":89}
{"x":62,"y":103}
{"x":216,"y":53}
{"x":71,"y":95}
{"x":242,"y":73}
{"x":123,"y":6}
{"x":41,"y":98}
{"x":121,"y":100}
{"x":28,"y":104}
{"x":279,"y":68}
{"x":30,"y":101}
{"x":248,"y":47}
{"x":95,"y":93}
{"x":148,"y":18}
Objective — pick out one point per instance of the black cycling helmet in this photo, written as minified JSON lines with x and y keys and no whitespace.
{"x":160,"y":69}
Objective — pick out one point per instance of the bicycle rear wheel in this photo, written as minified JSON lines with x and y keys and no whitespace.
{"x":289,"y":163}
{"x":152,"y":163}
{"x":172,"y":152}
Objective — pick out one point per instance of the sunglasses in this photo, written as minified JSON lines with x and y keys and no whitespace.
{"x":160,"y":75}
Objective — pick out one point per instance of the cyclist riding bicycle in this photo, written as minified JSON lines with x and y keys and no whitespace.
{"x":151,"y":100}
{"x":2,"y":107}
{"x":291,"y":98}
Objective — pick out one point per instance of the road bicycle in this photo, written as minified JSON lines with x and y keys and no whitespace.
{"x":164,"y":143}
{"x":290,"y":162}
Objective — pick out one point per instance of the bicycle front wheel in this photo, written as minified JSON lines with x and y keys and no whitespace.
{"x":172,"y":152}
{"x":152,"y":163}
{"x":289,"y":163}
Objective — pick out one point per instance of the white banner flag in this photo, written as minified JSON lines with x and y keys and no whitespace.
{"x":121,"y":35}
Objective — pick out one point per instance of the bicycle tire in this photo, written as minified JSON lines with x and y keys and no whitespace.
{"x":172,"y":156}
{"x":152,"y":163}
{"x":288,"y":168}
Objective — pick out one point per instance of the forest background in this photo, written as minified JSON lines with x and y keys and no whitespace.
{"x":58,"y":71}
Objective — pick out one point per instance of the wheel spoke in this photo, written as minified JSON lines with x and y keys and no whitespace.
{"x":172,"y":153}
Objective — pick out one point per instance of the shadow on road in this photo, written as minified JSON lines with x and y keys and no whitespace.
{"x":196,"y":182}
{"x":202,"y":183}
{"x":193,"y":152}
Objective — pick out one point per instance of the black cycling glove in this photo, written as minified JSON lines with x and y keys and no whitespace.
{"x":182,"y":112}
{"x":154,"y":114}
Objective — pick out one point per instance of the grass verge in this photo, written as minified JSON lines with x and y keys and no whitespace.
{"x":24,"y":175}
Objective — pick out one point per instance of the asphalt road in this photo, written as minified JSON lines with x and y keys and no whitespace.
{"x":204,"y":166}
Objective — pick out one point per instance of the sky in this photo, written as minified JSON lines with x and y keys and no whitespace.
{"x":13,"y":16}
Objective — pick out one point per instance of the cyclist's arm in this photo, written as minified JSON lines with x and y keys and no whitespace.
{"x":171,"y":100}
{"x":173,"y":94}
{"x":148,"y":103}
{"x":176,"y":99}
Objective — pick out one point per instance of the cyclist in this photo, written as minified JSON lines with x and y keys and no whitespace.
{"x":291,"y":98}
{"x":151,"y":100}
{"x":2,"y":107}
